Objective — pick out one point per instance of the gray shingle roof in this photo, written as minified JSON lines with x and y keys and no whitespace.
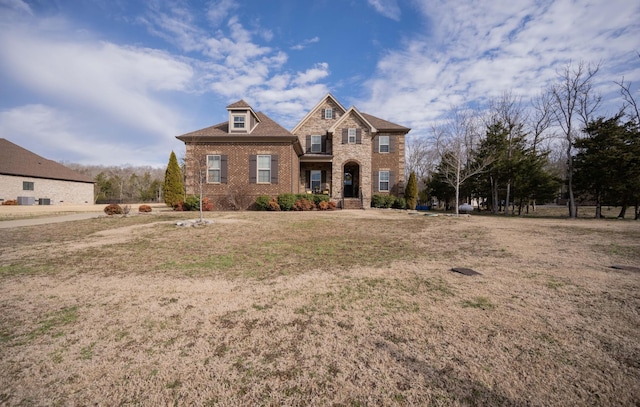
{"x":240,"y":104}
{"x":265,"y":128}
{"x":383,"y":125}
{"x":15,"y":160}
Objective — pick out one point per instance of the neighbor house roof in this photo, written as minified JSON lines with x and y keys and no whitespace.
{"x":15,"y":160}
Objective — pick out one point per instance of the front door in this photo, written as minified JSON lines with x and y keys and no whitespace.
{"x":351,"y":180}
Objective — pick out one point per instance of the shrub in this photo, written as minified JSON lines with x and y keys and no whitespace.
{"x":382,"y":201}
{"x":10,"y":202}
{"x":144,"y":209}
{"x":317,"y":198}
{"x":173,"y":187}
{"x":273,"y":205}
{"x":207,"y":205}
{"x":192,"y":203}
{"x":262,"y":202}
{"x":304,"y":205}
{"x":400,"y":203}
{"x":411,"y":192}
{"x":286,"y":201}
{"x":113,"y":209}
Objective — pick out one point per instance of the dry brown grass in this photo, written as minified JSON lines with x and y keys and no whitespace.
{"x":339,"y":308}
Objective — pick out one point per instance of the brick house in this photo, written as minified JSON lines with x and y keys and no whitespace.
{"x":340,"y":152}
{"x":31,"y":179}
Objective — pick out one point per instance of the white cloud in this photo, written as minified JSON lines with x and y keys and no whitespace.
{"x":219,"y":10}
{"x":304,"y":44}
{"x":122,"y":83}
{"x":16,"y":5}
{"x":476,"y":50}
{"x":388,"y":8}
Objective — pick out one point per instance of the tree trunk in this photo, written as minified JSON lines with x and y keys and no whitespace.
{"x":494,"y":192}
{"x":623,"y":211}
{"x":506,"y":203}
{"x":572,"y":201}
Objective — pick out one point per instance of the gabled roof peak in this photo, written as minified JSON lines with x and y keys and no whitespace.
{"x":240,"y":104}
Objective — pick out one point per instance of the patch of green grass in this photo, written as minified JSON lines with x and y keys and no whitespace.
{"x":17,"y":270}
{"x":174,"y":384}
{"x":478,"y":302}
{"x":54,"y":320}
{"x":86,"y":353}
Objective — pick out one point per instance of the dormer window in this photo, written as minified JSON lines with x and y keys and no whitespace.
{"x":352,"y":136}
{"x":328,"y":113}
{"x":239,"y":122}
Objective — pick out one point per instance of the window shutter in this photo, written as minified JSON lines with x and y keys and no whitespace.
{"x":322,"y":112}
{"x":345,"y":136}
{"x":323,"y":141}
{"x":376,"y":181}
{"x":391,"y":181}
{"x":392,"y":143}
{"x":323,"y":177}
{"x":274,"y":169}
{"x":376,"y":144}
{"x":223,"y":169}
{"x":358,"y":136}
{"x":253,"y":169}
{"x":308,"y":148}
{"x":307,"y":179}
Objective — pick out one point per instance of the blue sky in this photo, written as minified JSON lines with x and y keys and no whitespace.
{"x":112,"y":82}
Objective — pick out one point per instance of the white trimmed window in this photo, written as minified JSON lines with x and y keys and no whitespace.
{"x":383,"y":180}
{"x":27,"y":186}
{"x":383,"y":144}
{"x":239,"y":122}
{"x":264,"y":169}
{"x":328,"y":113}
{"x":316,"y":144}
{"x":214,"y":168}
{"x":316,"y":180}
{"x":352,"y":136}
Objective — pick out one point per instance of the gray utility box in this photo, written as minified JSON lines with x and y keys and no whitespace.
{"x":44,"y":201}
{"x":26,"y":200}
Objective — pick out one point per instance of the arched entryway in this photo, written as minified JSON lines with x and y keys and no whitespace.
{"x":351,"y":180}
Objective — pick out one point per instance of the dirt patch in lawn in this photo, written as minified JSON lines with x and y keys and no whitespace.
{"x":338,"y":308}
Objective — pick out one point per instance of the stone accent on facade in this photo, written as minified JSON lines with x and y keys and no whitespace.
{"x":55,"y":191}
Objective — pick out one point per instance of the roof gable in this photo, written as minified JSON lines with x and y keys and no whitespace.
{"x":15,"y":160}
{"x":314,"y":110}
{"x":353,"y":111}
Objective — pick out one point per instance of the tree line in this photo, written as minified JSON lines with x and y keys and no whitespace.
{"x":555,"y":148}
{"x":124,"y":184}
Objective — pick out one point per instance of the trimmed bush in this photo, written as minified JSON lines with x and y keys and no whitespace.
{"x":304,"y":205}
{"x":173,"y":188}
{"x":262,"y":202}
{"x":400,"y":203}
{"x":113,"y":209}
{"x":326,"y":206}
{"x":273,"y":205}
{"x":10,"y":202}
{"x":207,"y":205}
{"x":144,"y":209}
{"x":286,"y":201}
{"x":382,"y":201}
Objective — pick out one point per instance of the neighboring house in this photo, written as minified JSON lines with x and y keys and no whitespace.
{"x":339,"y":152}
{"x":31,"y":179}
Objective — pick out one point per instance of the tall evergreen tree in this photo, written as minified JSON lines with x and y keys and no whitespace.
{"x":411,"y":192}
{"x":173,"y":188}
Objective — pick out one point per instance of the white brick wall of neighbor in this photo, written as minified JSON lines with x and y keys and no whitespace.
{"x":56,"y":191}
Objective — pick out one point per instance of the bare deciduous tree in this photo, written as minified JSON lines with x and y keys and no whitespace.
{"x":456,"y":141}
{"x":573,"y":100}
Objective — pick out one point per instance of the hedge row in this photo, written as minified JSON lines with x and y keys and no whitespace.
{"x":388,"y":201}
{"x":294,"y":202}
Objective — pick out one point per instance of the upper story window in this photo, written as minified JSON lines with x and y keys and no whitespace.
{"x":328,"y":113}
{"x":316,"y":144}
{"x":214,"y":168}
{"x":352,"y":136}
{"x":27,"y":186}
{"x":383,"y":144}
{"x":384,"y":181}
{"x":264,"y":169}
{"x":239,"y":122}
